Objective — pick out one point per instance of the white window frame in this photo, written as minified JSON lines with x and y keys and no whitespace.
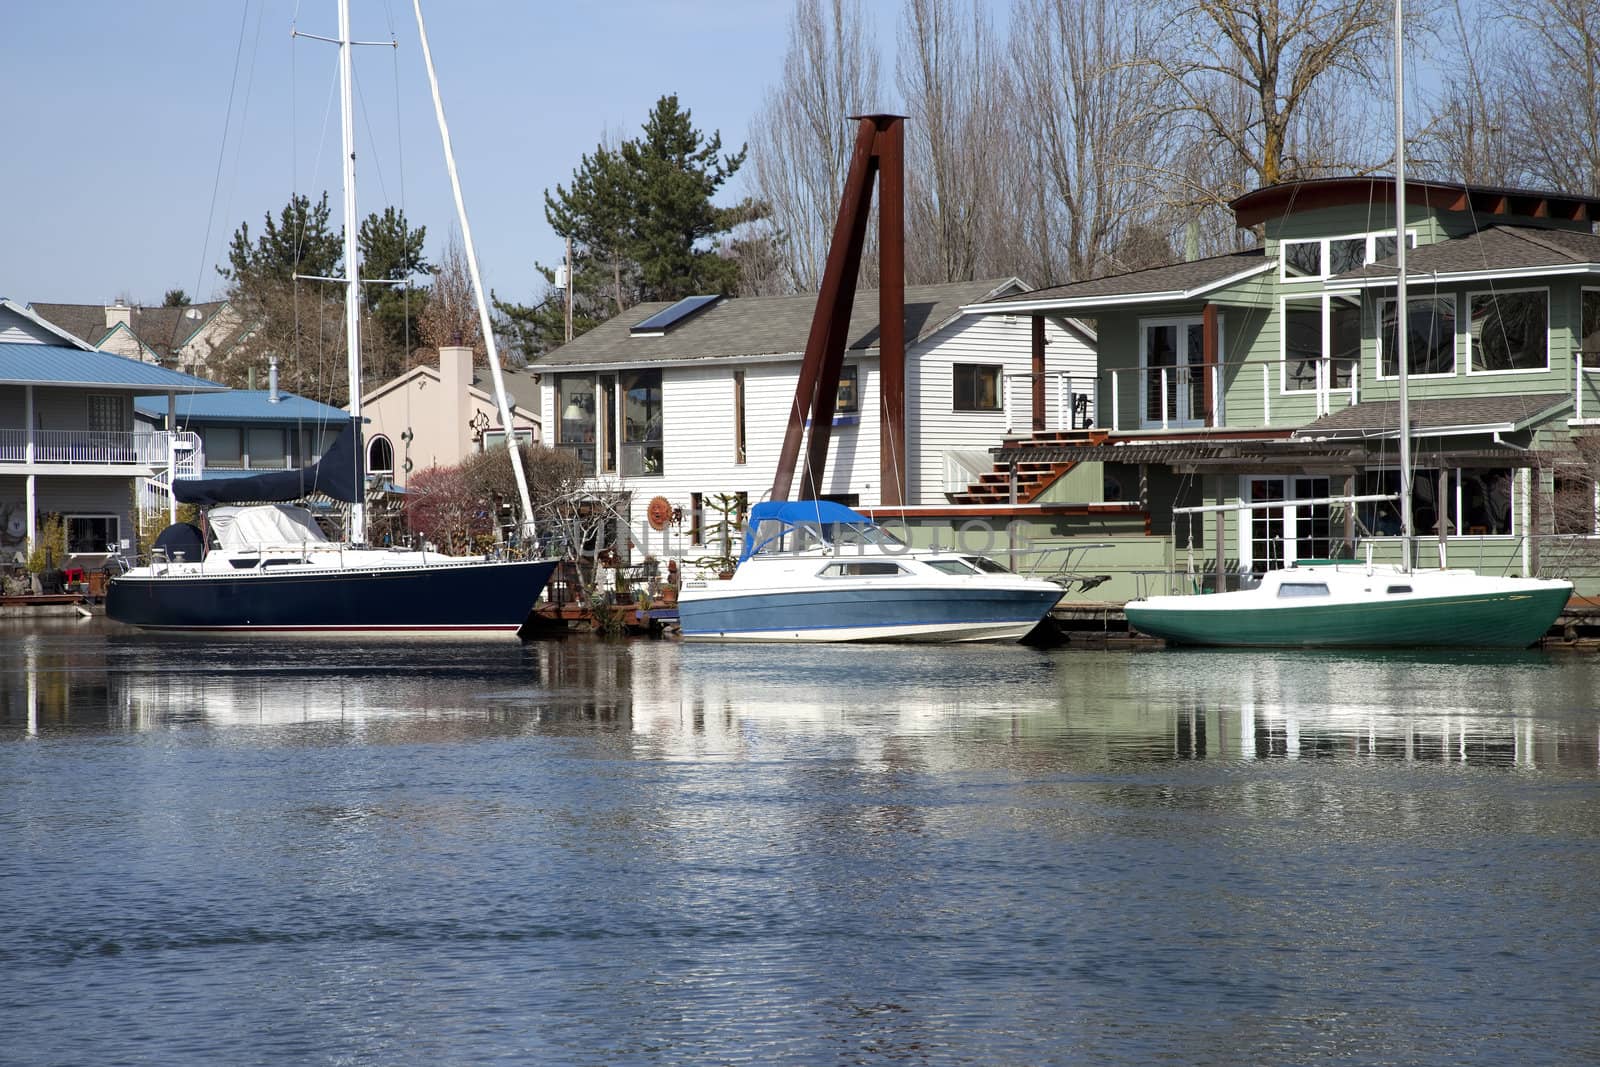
{"x":373,"y":440}
{"x":1292,"y":517}
{"x":496,"y":438}
{"x":1377,"y":342}
{"x":1548,"y":330}
{"x":1182,"y":322}
{"x":116,"y":531}
{"x":1325,"y":300}
{"x":1324,"y":244}
{"x":1578,"y":334}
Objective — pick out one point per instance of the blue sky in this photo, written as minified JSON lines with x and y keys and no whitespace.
{"x":116,"y":114}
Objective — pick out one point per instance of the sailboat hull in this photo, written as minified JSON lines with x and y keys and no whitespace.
{"x":1508,"y":613}
{"x":469,"y":596}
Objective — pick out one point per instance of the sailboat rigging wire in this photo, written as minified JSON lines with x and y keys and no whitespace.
{"x":1402,"y":355}
{"x":495,"y":372}
{"x":222,"y":152}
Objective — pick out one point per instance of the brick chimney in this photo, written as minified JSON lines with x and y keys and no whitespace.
{"x":119,"y":314}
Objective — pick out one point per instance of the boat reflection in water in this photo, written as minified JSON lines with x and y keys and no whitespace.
{"x":1075,"y":708}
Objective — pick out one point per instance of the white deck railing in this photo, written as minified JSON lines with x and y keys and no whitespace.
{"x":1579,"y":371}
{"x":188,"y":460}
{"x":93,"y":447}
{"x":1174,"y":397}
{"x":1061,"y":401}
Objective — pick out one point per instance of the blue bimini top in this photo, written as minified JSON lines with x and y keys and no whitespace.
{"x":770,"y":520}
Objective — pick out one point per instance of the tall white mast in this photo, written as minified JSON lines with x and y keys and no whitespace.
{"x":477,"y":284}
{"x":352,"y":268}
{"x":1402,"y":357}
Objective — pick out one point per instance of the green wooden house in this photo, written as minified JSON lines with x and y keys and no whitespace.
{"x":1270,"y":375}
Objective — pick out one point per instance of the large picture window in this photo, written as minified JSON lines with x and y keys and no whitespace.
{"x":224,"y":446}
{"x":1430,"y":336}
{"x":268,"y":447}
{"x":575,"y":428}
{"x":1476,"y":501}
{"x":1321,"y":337}
{"x":977,"y":387}
{"x":1510,"y":331}
{"x":1575,"y":503}
{"x":90,"y":533}
{"x":1591,"y":327}
{"x":641,"y":423}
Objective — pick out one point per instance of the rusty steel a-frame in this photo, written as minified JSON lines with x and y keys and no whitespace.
{"x":879,"y":153}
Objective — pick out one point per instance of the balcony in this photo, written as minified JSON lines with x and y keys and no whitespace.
{"x":99,"y":448}
{"x":1197,"y":395}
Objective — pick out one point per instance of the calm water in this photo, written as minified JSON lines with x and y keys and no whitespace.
{"x":269,"y":852}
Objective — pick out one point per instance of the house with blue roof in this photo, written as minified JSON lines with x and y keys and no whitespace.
{"x":69,"y":442}
{"x":244,"y":430}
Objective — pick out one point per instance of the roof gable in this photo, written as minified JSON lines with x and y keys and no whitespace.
{"x":33,"y":319}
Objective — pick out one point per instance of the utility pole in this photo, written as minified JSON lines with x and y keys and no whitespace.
{"x":569,"y":290}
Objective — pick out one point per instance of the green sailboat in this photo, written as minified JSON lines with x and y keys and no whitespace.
{"x":1347,"y":604}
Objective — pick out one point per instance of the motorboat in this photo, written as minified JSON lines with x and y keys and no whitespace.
{"x":814,"y":570}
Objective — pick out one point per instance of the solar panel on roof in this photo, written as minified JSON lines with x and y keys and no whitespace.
{"x":665,"y":319}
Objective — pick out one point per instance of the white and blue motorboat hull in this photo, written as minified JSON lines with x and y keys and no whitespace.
{"x":934,"y":614}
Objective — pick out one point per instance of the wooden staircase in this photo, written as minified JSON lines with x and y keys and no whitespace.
{"x":1033,"y":476}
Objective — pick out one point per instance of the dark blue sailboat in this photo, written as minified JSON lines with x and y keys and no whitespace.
{"x":272,"y":567}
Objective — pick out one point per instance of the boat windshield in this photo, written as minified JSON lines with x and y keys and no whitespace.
{"x":777,"y":537}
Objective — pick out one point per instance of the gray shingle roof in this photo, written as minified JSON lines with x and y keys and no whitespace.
{"x":1383,"y":416}
{"x":161,"y":329}
{"x":1172,"y":278}
{"x":761,"y":326}
{"x":1495,"y":248}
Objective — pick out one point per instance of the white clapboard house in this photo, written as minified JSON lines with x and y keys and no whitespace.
{"x":689,"y":401}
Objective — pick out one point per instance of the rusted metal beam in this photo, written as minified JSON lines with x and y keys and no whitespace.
{"x":878,"y":155}
{"x":857,"y":188}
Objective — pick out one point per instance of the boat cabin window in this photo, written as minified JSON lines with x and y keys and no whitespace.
{"x":1399,"y":589}
{"x":1297,"y":589}
{"x":862,"y":569}
{"x":280,"y":561}
{"x":952,"y":566}
{"x":987,"y":565}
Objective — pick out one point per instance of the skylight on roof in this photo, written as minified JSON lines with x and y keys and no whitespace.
{"x":667,"y":318}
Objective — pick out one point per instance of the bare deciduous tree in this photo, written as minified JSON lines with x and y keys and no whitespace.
{"x":1277,"y":90}
{"x":1087,"y":122}
{"x":956,"y":140}
{"x":1552,"y":77}
{"x":1467,"y":136}
{"x":800,"y":142}
{"x":451,"y":315}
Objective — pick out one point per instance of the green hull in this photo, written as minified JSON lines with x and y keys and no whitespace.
{"x":1488,"y":620}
